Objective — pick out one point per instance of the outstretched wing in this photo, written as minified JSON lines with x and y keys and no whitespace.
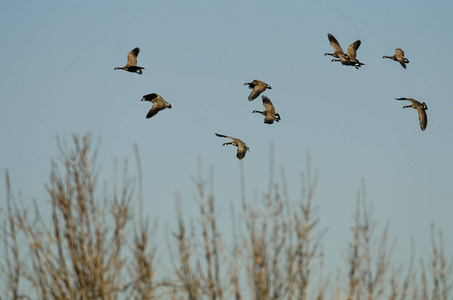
{"x":242,"y":149}
{"x":422,"y":118}
{"x":409,"y":99}
{"x":132,"y":57}
{"x":352,"y":49}
{"x":154,"y":110}
{"x":399,"y":54}
{"x":151,"y":97}
{"x":221,"y":135}
{"x":268,"y":104}
{"x":257,"y":90}
{"x":334,"y":43}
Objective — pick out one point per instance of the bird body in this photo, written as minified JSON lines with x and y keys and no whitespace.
{"x":131,"y":65}
{"x":421,"y":108}
{"x":269,"y":113}
{"x":399,"y":57}
{"x":242,"y":147}
{"x":257,"y":87}
{"x":349,"y":59}
{"x":158,"y":104}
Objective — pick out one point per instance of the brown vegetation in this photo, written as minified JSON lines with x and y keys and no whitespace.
{"x":84,"y":250}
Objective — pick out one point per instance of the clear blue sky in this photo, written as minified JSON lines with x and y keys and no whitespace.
{"x":57,"y":78}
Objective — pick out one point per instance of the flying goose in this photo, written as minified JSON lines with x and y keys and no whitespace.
{"x":242,"y":147}
{"x":336,"y":47}
{"x":399,"y":57}
{"x":421,"y":107}
{"x":269,"y":113}
{"x":345,"y":59}
{"x":158,"y":104}
{"x":131,"y":65}
{"x":258,"y":87}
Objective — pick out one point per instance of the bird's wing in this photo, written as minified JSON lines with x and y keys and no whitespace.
{"x":257,"y":90}
{"x":399,"y":52}
{"x":409,"y":99}
{"x":242,"y":149}
{"x":224,"y":136}
{"x":399,"y":55}
{"x":334,"y":43}
{"x":152,"y":97}
{"x":422,"y":118}
{"x":268,"y":104}
{"x":352,"y":49}
{"x":132,"y":57}
{"x":154,"y":110}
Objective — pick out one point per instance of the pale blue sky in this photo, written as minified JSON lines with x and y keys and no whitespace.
{"x":57,"y":78}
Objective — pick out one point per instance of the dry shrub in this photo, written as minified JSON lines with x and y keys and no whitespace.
{"x":83,"y":251}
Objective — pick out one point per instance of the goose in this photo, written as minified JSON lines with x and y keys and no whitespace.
{"x":345,"y":59}
{"x":421,"y":107}
{"x":258,"y":87}
{"x":336,"y":47}
{"x":242,"y":147}
{"x":399,"y":57}
{"x":269,"y":113}
{"x":158,"y":104}
{"x":131,"y":65}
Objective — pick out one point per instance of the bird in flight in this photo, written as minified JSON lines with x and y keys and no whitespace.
{"x":421,"y":108}
{"x":131,"y":65}
{"x":242,"y":147}
{"x":257,"y":87}
{"x":349,"y":59}
{"x":399,"y":57}
{"x":269,"y":113}
{"x":158,"y":104}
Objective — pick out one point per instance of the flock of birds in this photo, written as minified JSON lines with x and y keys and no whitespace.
{"x":258,"y":86}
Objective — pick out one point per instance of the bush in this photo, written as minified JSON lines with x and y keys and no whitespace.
{"x":84,"y":251}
